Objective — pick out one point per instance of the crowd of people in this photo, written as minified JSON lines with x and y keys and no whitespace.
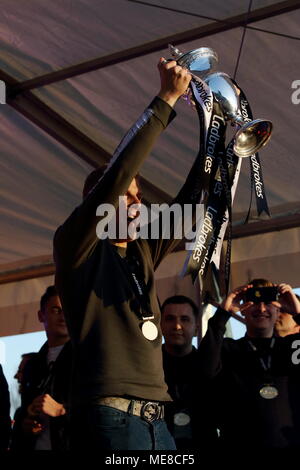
{"x":224,"y":393}
{"x":104,"y":381}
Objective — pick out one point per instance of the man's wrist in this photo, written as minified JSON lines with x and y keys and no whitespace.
{"x":221,"y":308}
{"x":168,"y":98}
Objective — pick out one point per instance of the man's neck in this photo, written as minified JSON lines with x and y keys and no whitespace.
{"x":178,"y":351}
{"x":121,"y":244}
{"x":260,"y":333}
{"x":54,"y":342}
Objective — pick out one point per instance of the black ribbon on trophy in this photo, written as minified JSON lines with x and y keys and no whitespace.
{"x":257,"y":183}
{"x":219,"y":100}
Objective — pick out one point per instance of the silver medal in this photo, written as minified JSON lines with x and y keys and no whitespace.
{"x":268,"y":392}
{"x":181,"y":419}
{"x":149,"y":330}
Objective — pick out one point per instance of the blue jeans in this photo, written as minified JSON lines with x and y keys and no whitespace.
{"x":101,"y":427}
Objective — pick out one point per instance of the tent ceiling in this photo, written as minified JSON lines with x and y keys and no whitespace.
{"x":53,"y":134}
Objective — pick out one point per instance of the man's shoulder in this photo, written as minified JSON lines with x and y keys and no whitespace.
{"x":3,"y":381}
{"x":37,"y":363}
{"x":231,"y":344}
{"x":65,"y":354}
{"x":289,"y":340}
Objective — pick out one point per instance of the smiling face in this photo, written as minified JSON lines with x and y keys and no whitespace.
{"x":285,"y":324}
{"x":54,"y":321}
{"x":178,"y":324}
{"x":260,"y":319}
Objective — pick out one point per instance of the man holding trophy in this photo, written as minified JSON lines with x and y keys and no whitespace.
{"x":109,"y":299}
{"x":107,"y":286}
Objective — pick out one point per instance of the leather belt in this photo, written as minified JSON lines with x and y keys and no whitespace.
{"x":147,"y":410}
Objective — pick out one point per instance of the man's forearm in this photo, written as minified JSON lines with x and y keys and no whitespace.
{"x":211,"y":345}
{"x":76,"y":236}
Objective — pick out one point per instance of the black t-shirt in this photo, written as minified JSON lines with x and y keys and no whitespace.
{"x":245,"y":418}
{"x":112,"y":357}
{"x":190,"y":417}
{"x":5,"y":423}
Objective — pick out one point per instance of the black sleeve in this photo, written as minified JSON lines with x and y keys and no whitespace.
{"x":5,"y":422}
{"x":210,"y":348}
{"x":75,"y":239}
{"x":32,"y":376}
{"x":187,"y":195}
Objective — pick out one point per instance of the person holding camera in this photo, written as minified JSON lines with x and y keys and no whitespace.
{"x":41,"y":423}
{"x":255,"y":379}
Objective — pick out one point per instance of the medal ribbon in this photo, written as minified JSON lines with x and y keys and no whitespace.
{"x":266,"y":366}
{"x":138,"y":284}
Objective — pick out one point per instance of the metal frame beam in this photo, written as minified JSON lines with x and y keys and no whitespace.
{"x":68,"y":135}
{"x":38,"y":112}
{"x":27,"y":273}
{"x":156,"y":45}
{"x":265,"y":226}
{"x":255,"y":228}
{"x":60,"y":129}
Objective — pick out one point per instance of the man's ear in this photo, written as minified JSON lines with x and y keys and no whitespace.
{"x":41,"y":316}
{"x":196,"y":330}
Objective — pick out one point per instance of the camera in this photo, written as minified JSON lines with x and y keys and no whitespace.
{"x":262,"y":294}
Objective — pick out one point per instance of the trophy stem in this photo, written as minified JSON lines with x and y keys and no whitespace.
{"x":237,"y":120}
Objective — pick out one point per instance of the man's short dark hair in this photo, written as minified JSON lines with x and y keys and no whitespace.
{"x":181,"y":299}
{"x":51,"y":291}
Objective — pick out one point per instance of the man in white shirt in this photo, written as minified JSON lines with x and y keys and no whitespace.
{"x":41,"y":424}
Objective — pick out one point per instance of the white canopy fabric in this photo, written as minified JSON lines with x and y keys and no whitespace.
{"x":79,"y":72}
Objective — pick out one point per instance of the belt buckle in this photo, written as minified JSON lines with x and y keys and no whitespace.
{"x":150,"y":411}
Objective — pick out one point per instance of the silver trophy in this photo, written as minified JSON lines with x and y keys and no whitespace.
{"x":250,"y":135}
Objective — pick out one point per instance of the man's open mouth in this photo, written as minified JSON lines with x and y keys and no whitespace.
{"x":131,"y":218}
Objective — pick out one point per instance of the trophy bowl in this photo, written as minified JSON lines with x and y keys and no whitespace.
{"x":202,"y":60}
{"x":250,"y":135}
